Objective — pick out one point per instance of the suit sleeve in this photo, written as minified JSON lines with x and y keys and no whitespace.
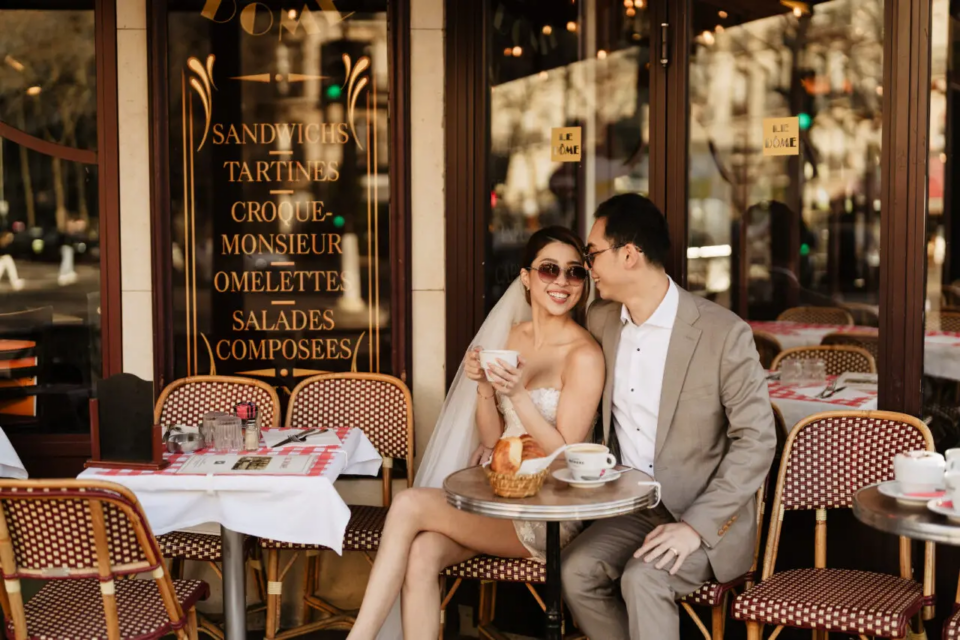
{"x":595,"y":320}
{"x":752,"y":434}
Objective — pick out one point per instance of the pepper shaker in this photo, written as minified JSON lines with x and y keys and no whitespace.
{"x":247,"y":412}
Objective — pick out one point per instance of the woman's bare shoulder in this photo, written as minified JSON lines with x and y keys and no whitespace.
{"x":585,"y":351}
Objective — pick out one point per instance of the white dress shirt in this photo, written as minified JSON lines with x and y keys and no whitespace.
{"x":638,"y":379}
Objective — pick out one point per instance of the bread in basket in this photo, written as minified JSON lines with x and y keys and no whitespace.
{"x":503,"y":471}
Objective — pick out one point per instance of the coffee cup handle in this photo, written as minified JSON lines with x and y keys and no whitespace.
{"x":611,"y":461}
{"x":953,"y":464}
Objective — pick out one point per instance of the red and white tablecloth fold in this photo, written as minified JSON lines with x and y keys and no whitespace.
{"x":295,"y":508}
{"x":798,"y":402}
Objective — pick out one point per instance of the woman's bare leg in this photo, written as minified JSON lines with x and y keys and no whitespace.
{"x":430,"y":554}
{"x":415,"y":511}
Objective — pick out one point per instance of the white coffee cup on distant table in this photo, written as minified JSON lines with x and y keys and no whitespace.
{"x":953,"y":459}
{"x":952,"y":481}
{"x":489,"y":357}
{"x":919,"y":471}
{"x":589,"y":461}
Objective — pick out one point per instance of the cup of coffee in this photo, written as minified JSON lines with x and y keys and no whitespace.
{"x":589,"y":461}
{"x":489,"y":357}
{"x":919,"y":471}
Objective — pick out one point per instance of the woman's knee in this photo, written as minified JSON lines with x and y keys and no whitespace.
{"x":410,"y":503}
{"x":426,"y":557}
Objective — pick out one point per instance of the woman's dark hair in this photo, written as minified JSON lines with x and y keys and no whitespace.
{"x":547,"y":236}
{"x":633,"y":219}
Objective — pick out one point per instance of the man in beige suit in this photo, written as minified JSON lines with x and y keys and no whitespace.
{"x":685,"y":401}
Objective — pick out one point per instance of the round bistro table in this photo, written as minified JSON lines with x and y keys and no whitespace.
{"x":915,"y":522}
{"x":469,"y":490}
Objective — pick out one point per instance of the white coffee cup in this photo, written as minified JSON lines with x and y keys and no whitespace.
{"x":953,"y":460}
{"x":489,"y":357}
{"x":952,"y":481}
{"x":919,"y":471}
{"x":589,"y":461}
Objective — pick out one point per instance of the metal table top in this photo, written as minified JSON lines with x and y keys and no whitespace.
{"x":916,"y":522}
{"x":469,"y":490}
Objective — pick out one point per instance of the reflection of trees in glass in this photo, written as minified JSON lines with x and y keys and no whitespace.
{"x":826,"y":68}
{"x":48,"y":89}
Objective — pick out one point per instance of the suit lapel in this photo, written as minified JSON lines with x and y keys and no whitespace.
{"x":611,"y":342}
{"x":683,"y":342}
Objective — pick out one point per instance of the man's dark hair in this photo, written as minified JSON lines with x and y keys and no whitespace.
{"x":633,"y":219}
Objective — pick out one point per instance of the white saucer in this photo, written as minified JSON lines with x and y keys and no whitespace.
{"x":944,"y":507}
{"x":891,"y":489}
{"x":564,"y":475}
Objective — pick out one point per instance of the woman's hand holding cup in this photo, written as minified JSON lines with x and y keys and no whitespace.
{"x":472,"y":367}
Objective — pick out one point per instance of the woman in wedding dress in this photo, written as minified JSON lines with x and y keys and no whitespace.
{"x":552,"y":394}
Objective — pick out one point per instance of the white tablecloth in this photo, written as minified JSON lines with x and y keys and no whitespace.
{"x":10,"y":465}
{"x":301,"y":509}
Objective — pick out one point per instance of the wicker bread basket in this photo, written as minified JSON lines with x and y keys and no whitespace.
{"x":515,"y":486}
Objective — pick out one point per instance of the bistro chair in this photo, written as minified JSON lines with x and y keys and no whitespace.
{"x":82,"y":538}
{"x":185,"y":401}
{"x":869,"y":341}
{"x":827,"y":459}
{"x":381,"y":406}
{"x":767,"y":346}
{"x":944,"y":320}
{"x":951,"y":294}
{"x":864,"y":315}
{"x":715,"y":594}
{"x":817,"y":315}
{"x":839,"y":358}
{"x":490,"y":570}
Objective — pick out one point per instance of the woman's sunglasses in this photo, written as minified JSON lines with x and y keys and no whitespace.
{"x":548,"y":272}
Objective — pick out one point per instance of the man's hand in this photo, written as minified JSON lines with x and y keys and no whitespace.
{"x":669,"y":542}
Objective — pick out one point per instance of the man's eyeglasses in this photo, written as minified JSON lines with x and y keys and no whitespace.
{"x":549,"y":272}
{"x":588,"y":258}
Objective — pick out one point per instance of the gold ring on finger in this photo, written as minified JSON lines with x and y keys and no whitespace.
{"x":675,"y":552}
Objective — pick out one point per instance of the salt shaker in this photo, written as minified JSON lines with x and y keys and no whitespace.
{"x":247,"y":412}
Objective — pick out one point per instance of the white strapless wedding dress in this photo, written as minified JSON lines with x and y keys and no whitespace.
{"x":533,"y":535}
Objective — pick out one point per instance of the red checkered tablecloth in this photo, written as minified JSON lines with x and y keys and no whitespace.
{"x":792,"y":392}
{"x":324,"y":455}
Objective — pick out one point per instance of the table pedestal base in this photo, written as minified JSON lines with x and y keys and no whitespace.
{"x":234,"y":587}
{"x":554,"y":615}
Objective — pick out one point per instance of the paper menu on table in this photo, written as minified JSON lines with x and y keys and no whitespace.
{"x":867,"y":381}
{"x":235,"y":463}
{"x":272,"y":437}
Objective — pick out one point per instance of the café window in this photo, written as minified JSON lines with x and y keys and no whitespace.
{"x":580,"y":67}
{"x":51,"y":217}
{"x":279,"y":189}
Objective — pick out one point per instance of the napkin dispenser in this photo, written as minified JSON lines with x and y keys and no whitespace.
{"x":123,"y":433}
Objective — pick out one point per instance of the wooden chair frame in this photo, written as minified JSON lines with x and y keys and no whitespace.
{"x":96,"y":493}
{"x":208,"y":626}
{"x":334,"y":617}
{"x":859,"y":312}
{"x":803,"y":353}
{"x":755,"y":629}
{"x":248,"y":382}
{"x":770,"y":342}
{"x":862,"y":339}
{"x":840,"y":312}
